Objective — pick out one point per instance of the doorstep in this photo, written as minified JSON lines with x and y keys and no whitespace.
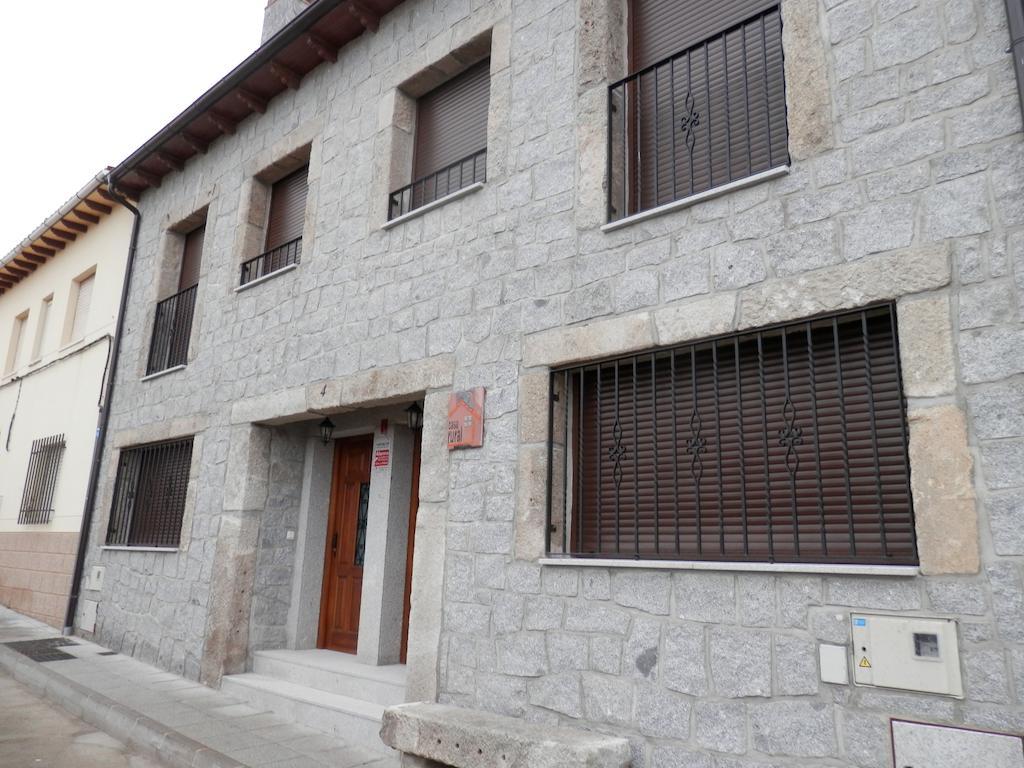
{"x":182,"y":723}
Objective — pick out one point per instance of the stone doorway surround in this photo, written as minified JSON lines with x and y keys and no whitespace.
{"x":353,"y":402}
{"x":386,"y":537}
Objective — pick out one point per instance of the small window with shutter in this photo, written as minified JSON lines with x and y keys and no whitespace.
{"x":16,"y":347}
{"x":783,"y":445}
{"x":704,"y":106}
{"x":285,"y":218}
{"x":172,"y":326}
{"x":149,"y":495}
{"x":83,"y":306}
{"x":450,"y":149}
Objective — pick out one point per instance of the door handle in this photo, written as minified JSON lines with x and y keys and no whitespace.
{"x":334,"y":543}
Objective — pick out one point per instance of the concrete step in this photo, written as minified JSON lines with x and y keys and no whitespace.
{"x":337,"y":673}
{"x":356,"y":721}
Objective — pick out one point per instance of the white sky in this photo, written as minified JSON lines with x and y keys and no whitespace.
{"x":86,"y":82}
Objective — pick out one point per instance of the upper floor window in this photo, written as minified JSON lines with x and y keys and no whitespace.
{"x":172,"y":327}
{"x":15,"y":349}
{"x":41,"y":480}
{"x":82,"y":305}
{"x":285,"y":219}
{"x":43,"y":327}
{"x":450,"y":147}
{"x":149,"y":495}
{"x":783,"y":445}
{"x":705,"y":103}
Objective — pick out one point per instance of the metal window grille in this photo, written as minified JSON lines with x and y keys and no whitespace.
{"x":454,"y":177}
{"x":708,"y":115}
{"x":787,"y":444}
{"x":172,"y":330}
{"x":149,"y":495}
{"x":41,"y":480}
{"x":271,"y":261}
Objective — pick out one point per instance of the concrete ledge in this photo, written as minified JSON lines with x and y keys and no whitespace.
{"x":123,"y":723}
{"x":466,"y":738}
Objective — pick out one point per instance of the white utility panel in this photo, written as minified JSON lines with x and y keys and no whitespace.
{"x":908,"y":653}
{"x":832,"y":660}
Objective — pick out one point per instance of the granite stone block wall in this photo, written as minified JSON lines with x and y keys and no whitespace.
{"x":905,"y":184}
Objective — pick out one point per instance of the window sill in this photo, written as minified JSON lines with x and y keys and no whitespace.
{"x":686,"y":202}
{"x":271,"y":276}
{"x":164,"y":372}
{"x":474,"y":187}
{"x":113,"y":548}
{"x":702,"y":565}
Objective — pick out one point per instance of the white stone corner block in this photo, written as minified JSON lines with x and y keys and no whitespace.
{"x":465,"y":738}
{"x":845,"y":286}
{"x":269,"y":408}
{"x":562,"y":346}
{"x":926,"y":346}
{"x":945,"y":509}
{"x":697,"y":319}
{"x":379,"y":386}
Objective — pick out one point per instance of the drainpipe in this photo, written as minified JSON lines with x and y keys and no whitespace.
{"x":1015,"y":13}
{"x":104,"y":416}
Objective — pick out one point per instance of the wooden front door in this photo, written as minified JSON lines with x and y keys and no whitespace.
{"x":346,"y":545}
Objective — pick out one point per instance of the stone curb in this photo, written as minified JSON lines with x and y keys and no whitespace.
{"x":123,"y":723}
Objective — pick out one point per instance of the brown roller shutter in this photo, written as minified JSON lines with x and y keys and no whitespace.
{"x":192,"y":258}
{"x":451,"y":121}
{"x":287,"y":209}
{"x":661,"y":28}
{"x":787,"y":445}
{"x":711,"y":113}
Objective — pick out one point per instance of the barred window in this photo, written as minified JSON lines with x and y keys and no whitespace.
{"x":787,"y":444}
{"x":41,"y":480}
{"x":149,"y":495}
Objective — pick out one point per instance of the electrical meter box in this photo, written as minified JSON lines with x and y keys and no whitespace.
{"x":906,"y":653}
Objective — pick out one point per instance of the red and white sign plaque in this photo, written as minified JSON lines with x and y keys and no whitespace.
{"x":466,"y":418}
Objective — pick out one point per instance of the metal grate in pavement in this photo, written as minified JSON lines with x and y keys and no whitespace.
{"x":47,"y":649}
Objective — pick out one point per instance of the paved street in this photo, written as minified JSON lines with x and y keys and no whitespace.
{"x":37,"y":734}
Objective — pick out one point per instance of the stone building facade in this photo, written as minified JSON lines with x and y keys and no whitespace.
{"x":904,"y":184}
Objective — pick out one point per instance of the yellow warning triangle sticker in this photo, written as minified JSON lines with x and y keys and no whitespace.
{"x":864,"y":663}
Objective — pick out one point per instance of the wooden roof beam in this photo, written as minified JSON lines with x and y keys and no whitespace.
{"x":89,"y":218}
{"x":196,"y":144}
{"x":172,"y":162}
{"x":24,"y":264}
{"x":151,"y":179}
{"x":5,"y":284}
{"x":64,"y":234}
{"x":16,"y":271}
{"x":98,"y":207}
{"x":289,"y":77}
{"x":253,"y":101}
{"x":33,"y":257}
{"x":74,"y":226}
{"x":324,"y":49}
{"x":369,"y":18}
{"x":223,"y":123}
{"x":54,"y":243}
{"x":42,"y":250}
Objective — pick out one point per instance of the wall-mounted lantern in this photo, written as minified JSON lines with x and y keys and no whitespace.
{"x":415,"y":414}
{"x":326,"y":430}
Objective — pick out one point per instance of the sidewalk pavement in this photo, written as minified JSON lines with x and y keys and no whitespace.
{"x":181,"y":723}
{"x":37,"y":734}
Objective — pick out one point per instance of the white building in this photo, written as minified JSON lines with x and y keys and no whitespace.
{"x":59,"y":293}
